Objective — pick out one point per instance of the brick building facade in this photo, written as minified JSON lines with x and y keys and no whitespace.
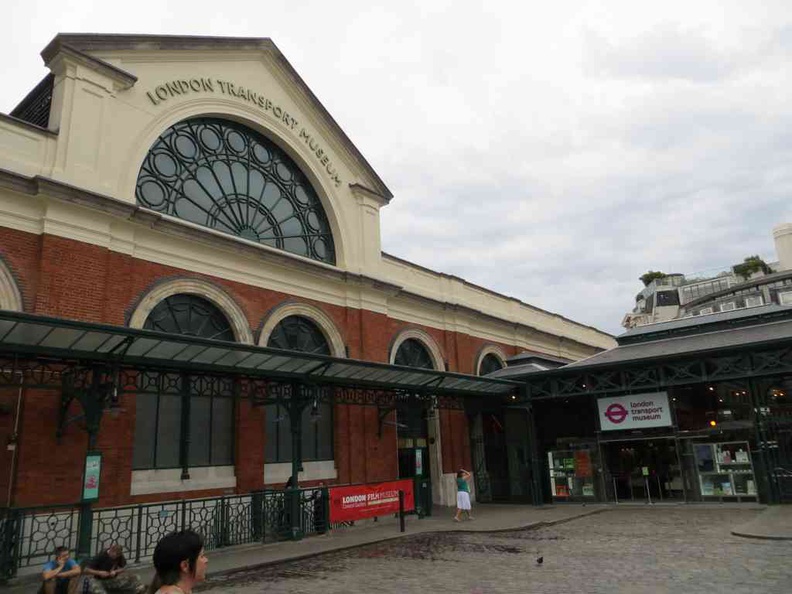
{"x":79,"y":242}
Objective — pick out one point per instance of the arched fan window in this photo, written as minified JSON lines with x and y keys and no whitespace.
{"x":220,"y":174}
{"x":412,"y":353}
{"x":189,"y":315}
{"x":297,"y":333}
{"x":489,"y":364}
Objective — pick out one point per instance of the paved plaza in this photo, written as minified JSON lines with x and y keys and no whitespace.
{"x":630,"y":549}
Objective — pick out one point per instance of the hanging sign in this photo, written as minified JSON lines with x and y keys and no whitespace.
{"x":418,"y":462}
{"x":636,"y":411}
{"x":356,"y":502}
{"x":93,"y":469}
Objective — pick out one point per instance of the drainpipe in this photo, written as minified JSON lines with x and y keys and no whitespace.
{"x":14,"y":443}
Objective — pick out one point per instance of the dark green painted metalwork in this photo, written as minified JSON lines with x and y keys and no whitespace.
{"x":29,"y":535}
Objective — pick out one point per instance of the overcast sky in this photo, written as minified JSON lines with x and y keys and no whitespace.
{"x":549,"y":151}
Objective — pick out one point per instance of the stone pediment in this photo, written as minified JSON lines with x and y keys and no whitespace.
{"x":163,"y":74}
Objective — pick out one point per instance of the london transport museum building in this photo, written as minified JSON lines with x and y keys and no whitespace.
{"x":194,"y":307}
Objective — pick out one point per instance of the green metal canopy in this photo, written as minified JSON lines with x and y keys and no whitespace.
{"x":30,"y":335}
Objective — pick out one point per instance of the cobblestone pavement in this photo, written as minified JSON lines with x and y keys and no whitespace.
{"x":622,"y":550}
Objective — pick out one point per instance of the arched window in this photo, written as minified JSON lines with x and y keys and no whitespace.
{"x":191,"y":316}
{"x":489,"y":364}
{"x":297,"y":333}
{"x":412,"y":353}
{"x":180,"y":428}
{"x":223,"y":175}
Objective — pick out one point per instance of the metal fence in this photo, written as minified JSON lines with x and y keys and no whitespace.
{"x":28,"y":536}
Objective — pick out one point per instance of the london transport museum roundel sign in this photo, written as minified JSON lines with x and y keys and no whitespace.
{"x":634,"y":411}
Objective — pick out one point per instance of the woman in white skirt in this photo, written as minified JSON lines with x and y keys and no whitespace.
{"x":463,"y":495}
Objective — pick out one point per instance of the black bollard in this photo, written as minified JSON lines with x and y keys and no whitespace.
{"x":401,"y":511}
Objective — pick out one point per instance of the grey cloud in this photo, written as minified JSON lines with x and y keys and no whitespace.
{"x":666,"y":52}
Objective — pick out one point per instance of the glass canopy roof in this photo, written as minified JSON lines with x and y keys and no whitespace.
{"x":33,"y":335}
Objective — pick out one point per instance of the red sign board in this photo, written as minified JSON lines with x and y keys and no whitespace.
{"x":356,"y":502}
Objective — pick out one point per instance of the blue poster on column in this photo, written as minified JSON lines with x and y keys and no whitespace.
{"x":93,"y":469}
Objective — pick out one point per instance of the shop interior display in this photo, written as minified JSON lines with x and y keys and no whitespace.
{"x":571,"y":474}
{"x":725,"y":470}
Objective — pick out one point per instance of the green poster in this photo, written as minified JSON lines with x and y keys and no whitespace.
{"x":93,"y":468}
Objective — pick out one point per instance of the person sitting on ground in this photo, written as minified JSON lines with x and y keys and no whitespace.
{"x":109,"y":569}
{"x":463,"y":495}
{"x":180,"y":563}
{"x":58,"y":573}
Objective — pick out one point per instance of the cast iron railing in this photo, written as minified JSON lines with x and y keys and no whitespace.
{"x":28,"y":536}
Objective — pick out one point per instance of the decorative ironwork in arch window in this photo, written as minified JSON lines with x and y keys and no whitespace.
{"x":489,"y":364}
{"x":297,"y":333}
{"x":223,"y":175}
{"x":412,"y":353}
{"x":190,"y":315}
{"x":185,"y":429}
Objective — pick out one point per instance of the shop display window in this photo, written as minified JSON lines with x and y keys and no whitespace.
{"x":571,"y":474}
{"x":725,"y":470}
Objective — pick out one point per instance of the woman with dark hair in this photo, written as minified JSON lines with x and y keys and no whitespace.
{"x":180,"y":563}
{"x":463,"y":495}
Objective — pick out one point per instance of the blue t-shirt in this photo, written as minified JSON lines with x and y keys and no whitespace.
{"x":68,"y":566}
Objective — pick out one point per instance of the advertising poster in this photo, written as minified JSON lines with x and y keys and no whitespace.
{"x":356,"y":502}
{"x":93,"y":469}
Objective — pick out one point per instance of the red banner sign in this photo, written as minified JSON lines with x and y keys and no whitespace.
{"x":356,"y":502}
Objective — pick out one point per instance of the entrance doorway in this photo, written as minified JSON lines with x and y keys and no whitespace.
{"x":643,"y":470}
{"x":413,"y":448}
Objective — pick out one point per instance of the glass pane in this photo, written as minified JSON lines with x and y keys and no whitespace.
{"x":284,"y":438}
{"x":325,"y":433}
{"x":199,"y":431}
{"x":191,"y":316}
{"x":296,"y":333}
{"x":412,"y":353}
{"x":145,"y":428}
{"x":168,"y":431}
{"x":308,"y":434}
{"x":222,"y":431}
{"x":272,"y":424}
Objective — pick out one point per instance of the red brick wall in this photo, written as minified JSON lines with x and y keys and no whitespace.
{"x":455,"y":440}
{"x":361,"y":455}
{"x":66,"y":278}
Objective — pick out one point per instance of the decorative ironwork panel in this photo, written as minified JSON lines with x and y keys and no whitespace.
{"x":575,"y":384}
{"x":772,"y":361}
{"x":190,"y":316}
{"x":43,"y":529}
{"x":223,"y":175}
{"x":642,"y":378}
{"x":297,"y":333}
{"x":723,"y":367}
{"x":605,"y":381}
{"x":683,"y":372}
